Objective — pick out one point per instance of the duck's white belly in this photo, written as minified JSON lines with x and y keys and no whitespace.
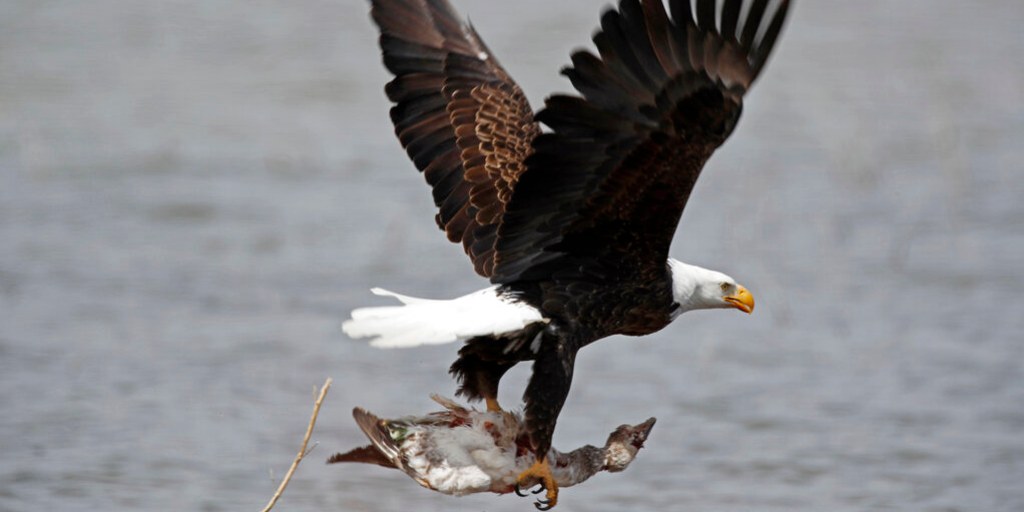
{"x":461,"y":460}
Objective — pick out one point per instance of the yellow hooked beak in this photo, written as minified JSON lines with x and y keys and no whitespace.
{"x":741,"y":300}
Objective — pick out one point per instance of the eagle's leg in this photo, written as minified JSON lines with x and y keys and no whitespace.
{"x":486,"y":377}
{"x":492,"y":404}
{"x":479,"y":375}
{"x":544,"y":397}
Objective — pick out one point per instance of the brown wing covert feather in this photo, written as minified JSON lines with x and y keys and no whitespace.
{"x":495,"y":141}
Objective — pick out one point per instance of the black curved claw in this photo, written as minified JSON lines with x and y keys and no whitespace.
{"x":520,"y":493}
{"x":543,"y":505}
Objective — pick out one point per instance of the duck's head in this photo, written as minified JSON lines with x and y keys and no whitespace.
{"x":623,"y":444}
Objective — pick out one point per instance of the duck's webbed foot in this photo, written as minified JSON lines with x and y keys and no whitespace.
{"x":539,"y":474}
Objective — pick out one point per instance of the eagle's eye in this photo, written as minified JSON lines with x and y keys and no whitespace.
{"x":724,"y":287}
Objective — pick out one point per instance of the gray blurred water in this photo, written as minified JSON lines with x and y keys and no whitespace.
{"x":194,"y":194}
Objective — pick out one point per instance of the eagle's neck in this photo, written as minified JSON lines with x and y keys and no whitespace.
{"x":686,"y":285}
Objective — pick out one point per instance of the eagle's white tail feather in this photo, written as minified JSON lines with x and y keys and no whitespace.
{"x":428,"y":322}
{"x":404,"y":299}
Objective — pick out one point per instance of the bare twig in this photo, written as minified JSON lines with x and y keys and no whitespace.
{"x":302,"y":449}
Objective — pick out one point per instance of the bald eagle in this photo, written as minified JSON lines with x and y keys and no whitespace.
{"x":571,"y":225}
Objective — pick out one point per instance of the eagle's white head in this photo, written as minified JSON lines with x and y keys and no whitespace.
{"x":694,"y":287}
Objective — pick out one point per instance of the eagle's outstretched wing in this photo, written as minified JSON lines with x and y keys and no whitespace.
{"x":603,"y":192}
{"x":461,"y":119}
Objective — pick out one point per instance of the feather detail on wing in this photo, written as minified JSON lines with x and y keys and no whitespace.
{"x":384,"y":451}
{"x":464,"y":123}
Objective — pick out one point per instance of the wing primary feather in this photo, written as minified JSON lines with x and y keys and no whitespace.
{"x":445,"y":185}
{"x":753,"y":23}
{"x":407,"y":22}
{"x":616,"y":43}
{"x":695,"y":43}
{"x":681,"y":11}
{"x":576,"y":116}
{"x":602,"y":85}
{"x":621,"y":76}
{"x":764,"y":47}
{"x":450,"y":26}
{"x":712,"y":46}
{"x":680,"y":41}
{"x":706,"y":15}
{"x":453,"y":213}
{"x":445,"y":165}
{"x":412,"y":85}
{"x":466,"y":70}
{"x":411,"y":131}
{"x":398,"y":48}
{"x":730,"y":18}
{"x":634,"y":25}
{"x":417,"y":107}
{"x":661,"y":37}
{"x":425,"y":147}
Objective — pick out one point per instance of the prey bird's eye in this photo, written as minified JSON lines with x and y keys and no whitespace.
{"x":724,"y":287}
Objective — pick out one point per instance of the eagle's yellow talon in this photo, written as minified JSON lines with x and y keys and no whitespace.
{"x":540,"y":472}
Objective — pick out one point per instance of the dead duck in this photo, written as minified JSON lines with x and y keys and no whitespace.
{"x":462,"y":451}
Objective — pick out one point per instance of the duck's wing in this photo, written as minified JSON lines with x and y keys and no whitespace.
{"x":604,"y":191}
{"x":384,"y":451}
{"x":450,"y":405}
{"x":365,"y":454}
{"x":463,"y":121}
